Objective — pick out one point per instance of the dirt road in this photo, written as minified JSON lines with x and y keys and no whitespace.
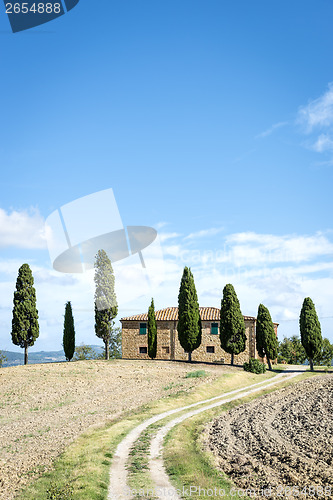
{"x":118,"y":472}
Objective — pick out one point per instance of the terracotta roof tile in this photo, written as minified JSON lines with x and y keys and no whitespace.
{"x":171,"y":314}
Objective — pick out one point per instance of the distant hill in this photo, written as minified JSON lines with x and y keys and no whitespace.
{"x":17,"y":358}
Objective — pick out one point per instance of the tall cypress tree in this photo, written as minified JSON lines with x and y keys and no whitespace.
{"x":267,"y":343}
{"x":310,"y":330}
{"x":106,"y":307}
{"x":25,"y":327}
{"x":152,"y":331}
{"x":232,"y":326}
{"x":189,"y":321}
{"x":69,"y":332}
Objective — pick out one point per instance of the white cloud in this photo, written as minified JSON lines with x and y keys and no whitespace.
{"x":319,"y":112}
{"x":205,"y":233}
{"x":323,"y":143}
{"x":264,"y":249}
{"x":22,"y":229}
{"x":161,"y":224}
{"x":168,"y":236}
{"x":316,"y":119}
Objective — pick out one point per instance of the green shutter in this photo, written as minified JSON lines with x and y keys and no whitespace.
{"x":214,"y":329}
{"x":143,"y":328}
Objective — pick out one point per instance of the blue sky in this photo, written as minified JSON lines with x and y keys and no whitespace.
{"x":211,"y":121}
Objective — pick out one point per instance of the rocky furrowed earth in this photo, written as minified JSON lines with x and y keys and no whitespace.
{"x":281,"y":444}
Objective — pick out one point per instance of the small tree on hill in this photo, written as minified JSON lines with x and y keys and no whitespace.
{"x":152,"y":331}
{"x":310,"y":330}
{"x":69,"y":332}
{"x":3,"y":358}
{"x":25,"y":327}
{"x":84,"y":352}
{"x":232,"y":326}
{"x":267,"y":343}
{"x":325,"y":357}
{"x":189,"y":321}
{"x":115,"y":343}
{"x":106,"y":308}
{"x":291,"y":351}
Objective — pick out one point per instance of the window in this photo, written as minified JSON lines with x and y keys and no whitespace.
{"x":214,"y":328}
{"x":166,"y":350}
{"x":143,"y":328}
{"x":210,"y":348}
{"x":143,"y":350}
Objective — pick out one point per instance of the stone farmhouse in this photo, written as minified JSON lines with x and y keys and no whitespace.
{"x":135,"y":341}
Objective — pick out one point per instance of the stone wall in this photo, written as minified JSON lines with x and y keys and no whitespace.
{"x":168,"y":346}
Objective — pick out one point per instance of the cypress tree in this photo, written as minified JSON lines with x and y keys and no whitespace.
{"x":310,"y":330}
{"x":232,"y":326}
{"x":106,"y":308}
{"x":152,"y":331}
{"x":189,"y":321}
{"x":25,"y":327}
{"x":69,"y":332}
{"x":267,"y":343}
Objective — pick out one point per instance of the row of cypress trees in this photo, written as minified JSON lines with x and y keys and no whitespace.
{"x":105,"y":304}
{"x":232,"y":325}
{"x":25,"y":326}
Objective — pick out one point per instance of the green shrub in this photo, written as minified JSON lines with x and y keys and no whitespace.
{"x":3,"y":358}
{"x":196,"y":374}
{"x":83,"y":352}
{"x":254,"y":366}
{"x":59,"y":492}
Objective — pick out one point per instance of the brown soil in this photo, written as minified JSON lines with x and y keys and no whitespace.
{"x":43,"y":408}
{"x":280,"y":440}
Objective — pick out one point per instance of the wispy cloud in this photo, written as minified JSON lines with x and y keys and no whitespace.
{"x":318,"y":113}
{"x":270,"y":130}
{"x":316,"y":121}
{"x":204,"y":233}
{"x":22,"y":229}
{"x":323,"y":143}
{"x":160,"y":224}
{"x":168,"y":236}
{"x":259,"y":249}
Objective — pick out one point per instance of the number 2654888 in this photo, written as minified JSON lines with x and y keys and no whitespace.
{"x":35,"y":8}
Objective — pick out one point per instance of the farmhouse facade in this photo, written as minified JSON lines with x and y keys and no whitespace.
{"x":135,"y":337}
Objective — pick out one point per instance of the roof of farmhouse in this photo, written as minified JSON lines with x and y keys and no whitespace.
{"x":171,"y":314}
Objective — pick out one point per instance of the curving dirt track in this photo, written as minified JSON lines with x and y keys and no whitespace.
{"x":279,"y":441}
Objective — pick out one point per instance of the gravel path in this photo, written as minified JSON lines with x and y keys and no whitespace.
{"x":280,"y":441}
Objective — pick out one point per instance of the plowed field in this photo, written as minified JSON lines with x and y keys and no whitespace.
{"x":280,"y":445}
